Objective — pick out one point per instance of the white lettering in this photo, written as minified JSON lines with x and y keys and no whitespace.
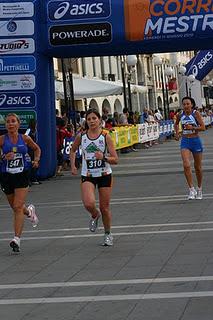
{"x":182,"y":24}
{"x":207,"y":23}
{"x":78,"y":10}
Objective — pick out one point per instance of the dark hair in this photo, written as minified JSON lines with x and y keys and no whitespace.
{"x":125,"y":110}
{"x":93,"y":110}
{"x":89,"y":111}
{"x":191,"y":99}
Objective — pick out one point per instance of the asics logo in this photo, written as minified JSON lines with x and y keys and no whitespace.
{"x":3,"y":98}
{"x":78,"y":9}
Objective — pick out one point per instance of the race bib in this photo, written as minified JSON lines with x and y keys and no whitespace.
{"x":15,"y":165}
{"x":95,"y":167}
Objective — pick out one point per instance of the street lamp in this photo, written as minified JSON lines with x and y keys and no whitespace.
{"x":191,"y":79}
{"x":182,"y":72}
{"x":207,"y":91}
{"x":158,"y":62}
{"x":131,"y":61}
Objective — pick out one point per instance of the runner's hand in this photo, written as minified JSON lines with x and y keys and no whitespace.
{"x":99,"y":155}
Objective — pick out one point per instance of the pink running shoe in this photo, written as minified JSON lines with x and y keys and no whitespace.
{"x":32,"y":216}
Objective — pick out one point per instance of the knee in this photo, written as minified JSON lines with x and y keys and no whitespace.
{"x":186,"y":165}
{"x":105,"y":210}
{"x":89,"y":205}
{"x":198,"y":167}
{"x":17,"y":208}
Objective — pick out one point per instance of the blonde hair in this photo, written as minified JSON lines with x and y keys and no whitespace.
{"x":12,"y":115}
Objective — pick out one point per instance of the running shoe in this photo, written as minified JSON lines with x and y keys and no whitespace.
{"x":15,"y":244}
{"x":32,"y":216}
{"x":108,"y":240}
{"x":93,"y":224}
{"x":192,"y":194}
{"x":199,"y":195}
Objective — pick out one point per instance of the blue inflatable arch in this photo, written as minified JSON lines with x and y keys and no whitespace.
{"x":33,"y":32}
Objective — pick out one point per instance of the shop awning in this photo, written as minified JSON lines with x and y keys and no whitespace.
{"x":89,"y":88}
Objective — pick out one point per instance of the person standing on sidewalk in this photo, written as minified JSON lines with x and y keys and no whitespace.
{"x":98,"y":153}
{"x":192,"y":123}
{"x":15,"y":177}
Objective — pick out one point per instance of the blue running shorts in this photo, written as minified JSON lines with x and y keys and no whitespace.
{"x":192,"y":144}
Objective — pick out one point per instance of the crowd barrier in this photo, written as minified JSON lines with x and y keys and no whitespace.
{"x":127,"y":136}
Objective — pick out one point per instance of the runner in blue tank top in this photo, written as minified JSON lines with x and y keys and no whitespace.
{"x":191,"y":122}
{"x":15,"y":167}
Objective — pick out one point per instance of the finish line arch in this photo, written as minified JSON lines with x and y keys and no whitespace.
{"x":33,"y":32}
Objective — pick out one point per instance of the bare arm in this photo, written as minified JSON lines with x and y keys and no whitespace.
{"x":201,"y":126}
{"x":37,"y":151}
{"x":73,"y":150}
{"x":176,"y":127}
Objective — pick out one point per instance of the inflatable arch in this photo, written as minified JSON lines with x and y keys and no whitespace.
{"x":33,"y":32}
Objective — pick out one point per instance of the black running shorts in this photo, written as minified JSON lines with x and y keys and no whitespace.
{"x":101,"y":182}
{"x":10,"y":182}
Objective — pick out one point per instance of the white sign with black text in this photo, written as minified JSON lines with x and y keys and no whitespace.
{"x":17,"y":46}
{"x":17,"y":82}
{"x":16,"y":9}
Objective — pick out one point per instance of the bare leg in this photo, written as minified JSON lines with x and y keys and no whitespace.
{"x":186,"y":154}
{"x":104,"y":200}
{"x":88,"y":198}
{"x":198,"y":167}
{"x":18,"y":209}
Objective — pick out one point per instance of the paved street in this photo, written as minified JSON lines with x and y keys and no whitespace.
{"x":161,"y":264}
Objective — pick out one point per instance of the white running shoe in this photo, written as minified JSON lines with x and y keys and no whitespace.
{"x":199,"y":195}
{"x":93,"y":224}
{"x":108,"y":240}
{"x":192,"y":194}
{"x":33,"y":217}
{"x":15,"y":244}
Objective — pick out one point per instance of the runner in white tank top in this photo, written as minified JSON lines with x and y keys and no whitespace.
{"x":98,"y":153}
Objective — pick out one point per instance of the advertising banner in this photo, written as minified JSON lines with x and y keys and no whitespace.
{"x":17,"y":46}
{"x":201,"y":64}
{"x":17,"y":82}
{"x":17,"y":99}
{"x":17,"y":64}
{"x":16,"y":9}
{"x":147,"y":26}
{"x":24,"y":115}
{"x":16,"y":28}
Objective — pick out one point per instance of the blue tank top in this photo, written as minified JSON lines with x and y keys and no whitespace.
{"x":21,"y":160}
{"x":188,"y":119}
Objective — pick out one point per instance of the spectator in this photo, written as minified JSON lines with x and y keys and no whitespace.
{"x":61,"y":133}
{"x":32,"y":133}
{"x":158,"y":116}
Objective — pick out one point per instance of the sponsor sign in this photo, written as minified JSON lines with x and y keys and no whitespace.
{"x":16,"y":28}
{"x":78,"y":9}
{"x":17,"y":46}
{"x":201,"y":64}
{"x":17,"y":99}
{"x":24,"y":115}
{"x":16,"y":9}
{"x":80,"y":34}
{"x":175,"y":19}
{"x":17,"y":82}
{"x":17,"y":64}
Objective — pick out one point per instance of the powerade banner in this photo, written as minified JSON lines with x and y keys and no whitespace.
{"x":109,"y":27}
{"x":33,"y":32}
{"x":201,"y":64}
